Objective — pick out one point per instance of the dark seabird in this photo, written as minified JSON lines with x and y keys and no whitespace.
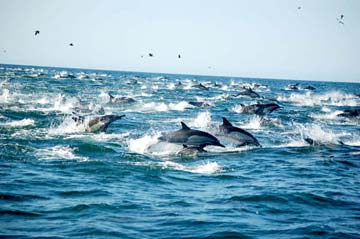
{"x":340,"y":20}
{"x":151,"y":55}
{"x":71,"y":44}
{"x":37,"y":32}
{"x":179,"y":56}
{"x":299,"y":7}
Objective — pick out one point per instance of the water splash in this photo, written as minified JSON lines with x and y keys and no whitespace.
{"x":142,"y":144}
{"x":202,"y":120}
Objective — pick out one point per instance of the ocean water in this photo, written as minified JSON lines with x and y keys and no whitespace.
{"x":59,"y":181}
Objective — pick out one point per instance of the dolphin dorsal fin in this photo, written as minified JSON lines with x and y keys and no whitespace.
{"x":184,"y":126}
{"x":185,"y":146}
{"x":226,"y":122}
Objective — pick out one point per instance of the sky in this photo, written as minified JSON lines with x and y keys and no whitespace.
{"x":245,"y":38}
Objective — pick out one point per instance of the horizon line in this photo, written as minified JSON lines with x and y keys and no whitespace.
{"x":185,"y":74}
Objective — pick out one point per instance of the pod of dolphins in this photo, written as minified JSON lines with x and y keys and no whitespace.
{"x":193,"y":140}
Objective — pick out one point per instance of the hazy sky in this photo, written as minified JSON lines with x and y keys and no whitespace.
{"x":246,"y":38}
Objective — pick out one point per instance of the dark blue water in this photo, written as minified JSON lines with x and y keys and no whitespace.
{"x":59,"y":181}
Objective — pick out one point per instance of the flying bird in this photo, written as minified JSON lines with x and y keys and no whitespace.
{"x":37,"y":32}
{"x":340,"y":20}
{"x":299,"y":7}
{"x":151,"y":55}
{"x":71,"y":44}
{"x":179,"y":56}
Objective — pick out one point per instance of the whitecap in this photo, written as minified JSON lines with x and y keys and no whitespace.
{"x":332,"y":98}
{"x":58,"y":152}
{"x":202,"y":168}
{"x":254,"y":123}
{"x":329,"y":115}
{"x":5,"y":96}
{"x":19,"y":123}
{"x":318,"y":134}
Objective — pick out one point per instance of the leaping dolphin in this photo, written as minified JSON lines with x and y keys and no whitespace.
{"x":236,"y":135}
{"x":259,"y":109}
{"x":248,"y":92}
{"x":98,"y":124}
{"x":191,"y":138}
{"x":200,"y":86}
{"x":121,"y":99}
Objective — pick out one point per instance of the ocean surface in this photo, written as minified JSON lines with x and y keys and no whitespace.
{"x":59,"y":181}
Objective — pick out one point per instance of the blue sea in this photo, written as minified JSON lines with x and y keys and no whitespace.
{"x":57,"y":180}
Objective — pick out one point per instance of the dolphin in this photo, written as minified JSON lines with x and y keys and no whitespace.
{"x":266,"y":108}
{"x":101,"y":123}
{"x":217,"y":85}
{"x":293,"y":86}
{"x":179,"y":85}
{"x":309,"y":87}
{"x":259,"y":109}
{"x":190,"y":150}
{"x":98,"y":124}
{"x":191,"y":138}
{"x":121,"y":99}
{"x":200,"y":86}
{"x":200,"y":104}
{"x":312,"y":142}
{"x":248,"y":92}
{"x":236,"y":135}
{"x":350,"y":113}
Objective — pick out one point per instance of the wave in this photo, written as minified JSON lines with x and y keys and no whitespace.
{"x":58,"y":152}
{"x":333,"y":98}
{"x":315,"y":132}
{"x":19,"y":123}
{"x":159,"y":107}
{"x":5,"y":96}
{"x":202,"y":168}
{"x":142,"y":144}
{"x":67,"y":126}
